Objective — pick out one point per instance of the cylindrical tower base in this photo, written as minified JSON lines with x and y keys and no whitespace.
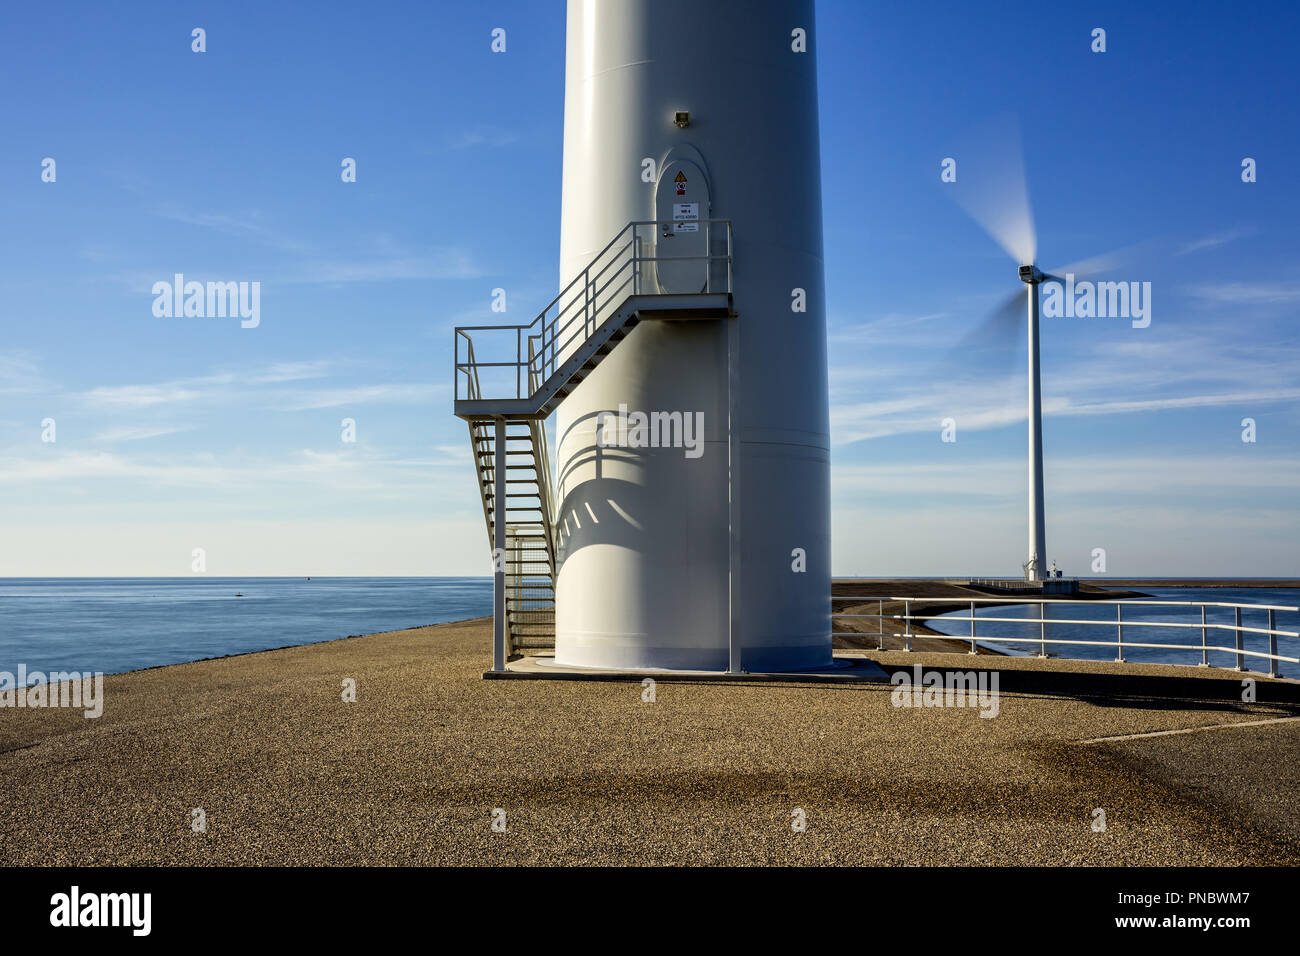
{"x":668,"y":557}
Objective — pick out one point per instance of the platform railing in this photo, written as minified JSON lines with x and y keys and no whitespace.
{"x":542,"y":469}
{"x":473,"y":390}
{"x":1008,"y":583}
{"x":618,"y":271}
{"x":1236,"y":630}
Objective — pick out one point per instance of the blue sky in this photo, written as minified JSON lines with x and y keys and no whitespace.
{"x":176,"y":433}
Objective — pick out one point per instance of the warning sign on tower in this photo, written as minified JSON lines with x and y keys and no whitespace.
{"x":682,"y":227}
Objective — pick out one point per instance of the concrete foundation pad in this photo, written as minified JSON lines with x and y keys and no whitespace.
{"x":847,"y":669}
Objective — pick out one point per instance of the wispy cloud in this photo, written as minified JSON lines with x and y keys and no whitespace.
{"x":1214,"y":241}
{"x":490,"y":136}
{"x":925,"y":412}
{"x":355,"y":469}
{"x":248,"y":226}
{"x":289,"y":372}
{"x":372,"y":259}
{"x":892,"y":328}
{"x":1088,"y":476}
{"x":1107,"y":378}
{"x":437,"y":263}
{"x":221,"y":385}
{"x":139,"y":396}
{"x":19,"y":373}
{"x":138,"y":432}
{"x":1248,"y":293}
{"x":1179,"y":401}
{"x":413,"y":394}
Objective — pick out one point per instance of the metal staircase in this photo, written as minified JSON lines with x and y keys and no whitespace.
{"x":507,"y":402}
{"x":528,"y":558}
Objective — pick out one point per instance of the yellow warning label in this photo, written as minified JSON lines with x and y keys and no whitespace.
{"x":681,"y":178}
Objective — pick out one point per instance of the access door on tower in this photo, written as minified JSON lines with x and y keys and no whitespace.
{"x":682,"y":243}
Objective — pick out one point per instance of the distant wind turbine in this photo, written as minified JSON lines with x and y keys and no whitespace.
{"x":991,"y":188}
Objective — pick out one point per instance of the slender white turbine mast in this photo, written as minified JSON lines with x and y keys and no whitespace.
{"x":1035,"y":566}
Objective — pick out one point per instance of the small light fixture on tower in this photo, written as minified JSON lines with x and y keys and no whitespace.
{"x":682,"y":119}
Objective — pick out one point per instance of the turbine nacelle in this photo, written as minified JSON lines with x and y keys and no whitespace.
{"x":1032,"y":275}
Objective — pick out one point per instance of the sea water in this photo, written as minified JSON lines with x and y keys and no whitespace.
{"x":121,"y":624}
{"x":1004,"y":634}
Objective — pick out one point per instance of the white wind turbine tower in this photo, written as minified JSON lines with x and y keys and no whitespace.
{"x":991,"y":188}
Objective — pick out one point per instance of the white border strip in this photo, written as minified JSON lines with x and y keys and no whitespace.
{"x":1189,"y":730}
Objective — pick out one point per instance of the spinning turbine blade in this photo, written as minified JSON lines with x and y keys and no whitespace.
{"x":1125,"y":259}
{"x":993,"y":344}
{"x":991,"y":187}
{"x":1002,"y":329}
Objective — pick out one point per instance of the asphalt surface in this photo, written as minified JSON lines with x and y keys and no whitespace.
{"x":286,"y":772}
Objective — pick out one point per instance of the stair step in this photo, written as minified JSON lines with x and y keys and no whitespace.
{"x":525,"y":511}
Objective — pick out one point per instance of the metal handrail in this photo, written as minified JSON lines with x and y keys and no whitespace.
{"x":472,"y":387}
{"x":962,"y":599}
{"x":542,"y":469}
{"x":1119,"y":623}
{"x":578,"y":311}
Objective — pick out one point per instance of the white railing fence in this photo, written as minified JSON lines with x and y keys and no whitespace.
{"x":1118,"y":623}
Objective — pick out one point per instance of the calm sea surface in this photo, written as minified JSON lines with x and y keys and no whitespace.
{"x":121,"y":624}
{"x":1004,"y":634}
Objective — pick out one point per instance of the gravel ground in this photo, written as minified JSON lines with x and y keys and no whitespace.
{"x":288,"y":773}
